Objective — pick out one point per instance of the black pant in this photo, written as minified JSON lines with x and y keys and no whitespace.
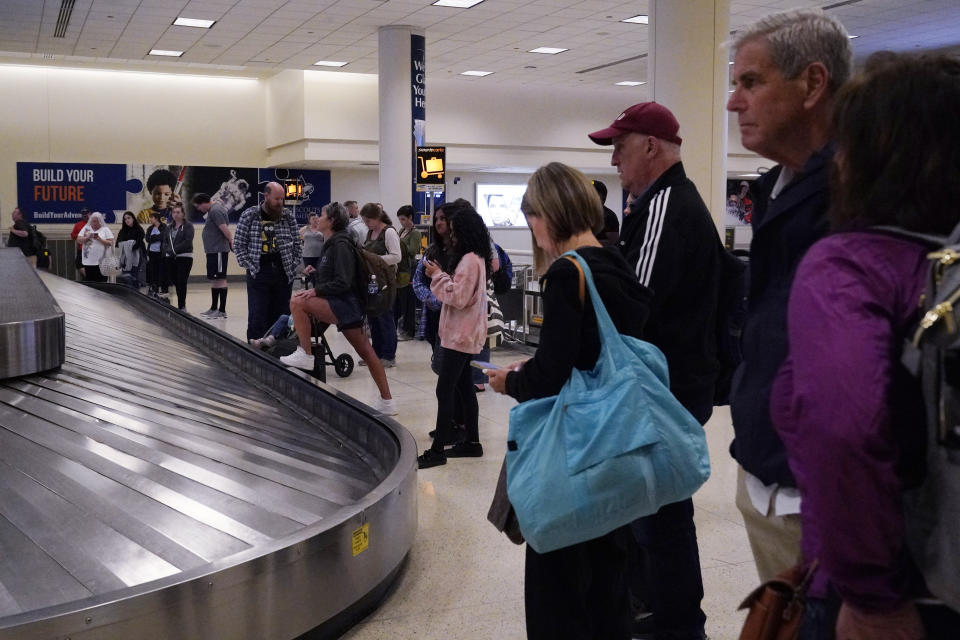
{"x":153,"y":269}
{"x":268,"y":298}
{"x":177,"y":269}
{"x":579,"y":592}
{"x":93,"y":273}
{"x":405,"y":310}
{"x":455,"y":390}
{"x":666,"y":573}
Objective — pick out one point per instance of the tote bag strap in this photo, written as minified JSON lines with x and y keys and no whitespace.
{"x":582,"y":278}
{"x":607,"y":329}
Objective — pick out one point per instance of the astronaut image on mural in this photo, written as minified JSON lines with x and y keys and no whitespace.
{"x":233,"y":187}
{"x":234,"y":193}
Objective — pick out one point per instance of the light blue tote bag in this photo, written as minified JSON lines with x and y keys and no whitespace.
{"x":612,"y":446}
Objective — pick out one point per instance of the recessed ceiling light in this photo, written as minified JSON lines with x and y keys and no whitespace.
{"x":479,"y":74}
{"x":328,"y":63}
{"x":164,"y":52}
{"x":641,"y":19}
{"x":550,"y":50}
{"x":629,"y":83}
{"x":193,"y":22}
{"x":852,"y":37}
{"x":460,"y":4}
{"x":731,"y":62}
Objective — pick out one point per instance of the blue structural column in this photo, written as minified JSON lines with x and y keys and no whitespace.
{"x":403,"y":112}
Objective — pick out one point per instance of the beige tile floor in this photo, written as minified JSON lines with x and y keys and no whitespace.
{"x":464,"y":580}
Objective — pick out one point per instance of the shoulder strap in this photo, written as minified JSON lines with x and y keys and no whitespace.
{"x":582,"y":278}
{"x":926,"y":239}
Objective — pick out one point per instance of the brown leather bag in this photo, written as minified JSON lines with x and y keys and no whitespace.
{"x":776,"y":607}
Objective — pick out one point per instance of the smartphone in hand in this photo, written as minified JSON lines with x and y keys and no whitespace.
{"x":480,"y":364}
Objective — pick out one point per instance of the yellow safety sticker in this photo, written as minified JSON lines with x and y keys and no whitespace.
{"x":361,"y":539}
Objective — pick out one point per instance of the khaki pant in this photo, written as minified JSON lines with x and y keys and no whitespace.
{"x":774,"y":540}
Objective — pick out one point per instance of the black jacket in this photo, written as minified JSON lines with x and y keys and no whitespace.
{"x":783,"y":230}
{"x":672,"y":245}
{"x":183,"y":242}
{"x":569,"y":337}
{"x":337,"y":266}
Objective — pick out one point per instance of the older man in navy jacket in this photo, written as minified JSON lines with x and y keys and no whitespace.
{"x":787,"y":69}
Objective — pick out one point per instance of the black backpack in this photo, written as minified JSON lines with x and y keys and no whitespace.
{"x":930,"y":458}
{"x":38,"y":240}
{"x":731,"y":315}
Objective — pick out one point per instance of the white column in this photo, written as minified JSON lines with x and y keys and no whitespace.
{"x":396,"y":119}
{"x":687,"y":67}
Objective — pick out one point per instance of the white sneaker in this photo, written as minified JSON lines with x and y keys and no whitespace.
{"x":299,"y":359}
{"x":384,"y":406}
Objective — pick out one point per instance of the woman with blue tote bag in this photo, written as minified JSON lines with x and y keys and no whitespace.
{"x":578,"y":591}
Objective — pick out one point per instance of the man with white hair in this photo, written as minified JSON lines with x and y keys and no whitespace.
{"x":670,"y":240}
{"x":356,"y":227}
{"x":787,"y":69}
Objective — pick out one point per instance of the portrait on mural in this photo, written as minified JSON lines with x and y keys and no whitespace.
{"x":162,"y":188}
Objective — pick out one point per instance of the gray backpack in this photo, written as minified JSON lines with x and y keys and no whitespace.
{"x":932,"y":355}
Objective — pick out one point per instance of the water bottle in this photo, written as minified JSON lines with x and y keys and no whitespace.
{"x":372,"y":288}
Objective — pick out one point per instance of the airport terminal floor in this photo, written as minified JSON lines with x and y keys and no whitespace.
{"x":463,"y":579}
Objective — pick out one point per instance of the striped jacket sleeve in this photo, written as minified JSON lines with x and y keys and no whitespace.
{"x":660,"y":261}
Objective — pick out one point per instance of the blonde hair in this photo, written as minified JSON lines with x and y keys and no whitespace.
{"x":566,"y":201}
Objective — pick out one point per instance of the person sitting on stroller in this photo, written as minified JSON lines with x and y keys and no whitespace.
{"x":334,"y":300}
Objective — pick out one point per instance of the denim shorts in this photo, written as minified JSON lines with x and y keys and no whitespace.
{"x":348,"y":311}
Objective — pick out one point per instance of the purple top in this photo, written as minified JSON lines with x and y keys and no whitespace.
{"x":854,"y":296}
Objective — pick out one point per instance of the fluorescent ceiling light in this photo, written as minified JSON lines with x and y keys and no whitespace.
{"x":749,"y":175}
{"x":550,"y":50}
{"x":852,"y":37}
{"x":479,"y":74}
{"x":629,"y":83}
{"x":193,"y":22}
{"x":328,"y":63}
{"x":460,"y":4}
{"x":638,"y":19}
{"x":163,"y":52}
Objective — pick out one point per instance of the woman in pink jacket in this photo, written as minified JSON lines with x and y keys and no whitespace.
{"x":461,"y":288}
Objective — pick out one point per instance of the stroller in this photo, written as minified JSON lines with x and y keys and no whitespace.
{"x":281,"y":340}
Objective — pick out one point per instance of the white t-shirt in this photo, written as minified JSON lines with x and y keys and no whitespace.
{"x":92,"y":250}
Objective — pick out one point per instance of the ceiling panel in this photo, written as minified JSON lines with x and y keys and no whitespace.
{"x":267,"y":36}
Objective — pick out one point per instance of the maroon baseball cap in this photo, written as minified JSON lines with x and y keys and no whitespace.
{"x":647,"y":117}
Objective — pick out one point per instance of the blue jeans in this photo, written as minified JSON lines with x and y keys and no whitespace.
{"x":820,"y":619}
{"x":383,"y":335}
{"x":281,"y":327}
{"x":479,"y":377}
{"x":268,"y":298}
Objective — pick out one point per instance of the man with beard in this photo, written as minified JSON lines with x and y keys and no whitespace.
{"x":267,"y":246}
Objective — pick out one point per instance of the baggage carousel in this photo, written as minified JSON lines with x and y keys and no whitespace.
{"x":166,"y":481}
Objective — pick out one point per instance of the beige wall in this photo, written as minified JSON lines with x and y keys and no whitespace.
{"x":71,"y":115}
{"x":297,"y":118}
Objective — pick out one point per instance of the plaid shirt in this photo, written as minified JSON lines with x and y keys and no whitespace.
{"x":246,"y":241}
